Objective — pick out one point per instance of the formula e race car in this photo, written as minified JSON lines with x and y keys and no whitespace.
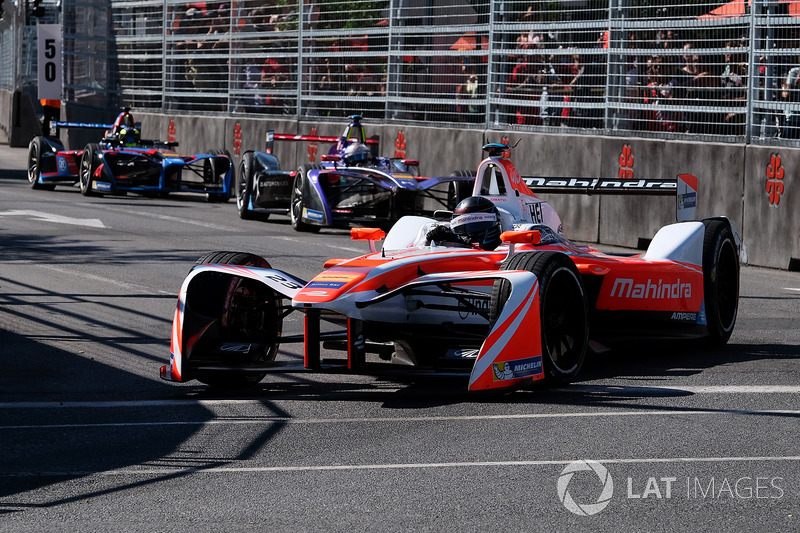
{"x":496,"y":292}
{"x":123,"y":162}
{"x":350,"y":186}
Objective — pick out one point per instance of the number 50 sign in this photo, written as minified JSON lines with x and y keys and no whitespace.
{"x":49,"y":38}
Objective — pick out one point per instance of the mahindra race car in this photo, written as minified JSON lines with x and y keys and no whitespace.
{"x":350,"y":186}
{"x":496,"y":292}
{"x":123,"y":162}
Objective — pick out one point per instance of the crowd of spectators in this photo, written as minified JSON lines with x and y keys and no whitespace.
{"x":680,"y":85}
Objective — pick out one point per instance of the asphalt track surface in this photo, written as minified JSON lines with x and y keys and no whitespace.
{"x":684,"y":437}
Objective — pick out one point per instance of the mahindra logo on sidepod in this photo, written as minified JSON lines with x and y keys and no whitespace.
{"x":626,"y":288}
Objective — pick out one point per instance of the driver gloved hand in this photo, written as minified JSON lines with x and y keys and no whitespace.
{"x":440,"y":233}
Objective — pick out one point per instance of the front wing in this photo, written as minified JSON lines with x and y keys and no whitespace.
{"x":510,"y":354}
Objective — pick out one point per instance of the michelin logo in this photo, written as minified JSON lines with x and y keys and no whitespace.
{"x":519,"y":368}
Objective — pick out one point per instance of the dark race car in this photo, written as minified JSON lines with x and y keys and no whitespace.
{"x":495,"y":293}
{"x":350,"y":186}
{"x":122,"y":162}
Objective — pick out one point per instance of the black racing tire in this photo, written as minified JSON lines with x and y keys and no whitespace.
{"x":458,"y":190}
{"x":87,"y":168}
{"x":244,"y":189}
{"x":720,"y":280}
{"x":298,"y":199}
{"x":563,"y":310}
{"x":209,"y":175}
{"x":35,"y":149}
{"x":251,"y":313}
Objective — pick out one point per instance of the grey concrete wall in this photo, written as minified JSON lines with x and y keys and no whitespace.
{"x":772,"y":223}
{"x":732,"y":178}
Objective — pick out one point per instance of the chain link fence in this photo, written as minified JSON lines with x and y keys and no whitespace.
{"x":681,"y":70}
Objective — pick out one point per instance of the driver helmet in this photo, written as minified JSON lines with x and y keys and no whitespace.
{"x":477,"y":221}
{"x":357,"y":154}
{"x":128,"y":136}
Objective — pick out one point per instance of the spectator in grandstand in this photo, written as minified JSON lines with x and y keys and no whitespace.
{"x":697,"y":83}
{"x":468,"y":96}
{"x":790,"y":93}
{"x":734,"y":82}
{"x":574,"y":88}
{"x":273,"y":81}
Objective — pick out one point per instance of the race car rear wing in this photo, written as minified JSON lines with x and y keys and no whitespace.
{"x":272,"y":137}
{"x":684,"y":187}
{"x":55,"y":126}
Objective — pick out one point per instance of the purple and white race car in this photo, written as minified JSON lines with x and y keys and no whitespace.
{"x":351,"y":185}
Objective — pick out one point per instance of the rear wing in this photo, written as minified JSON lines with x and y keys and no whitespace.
{"x":272,"y":137}
{"x":56,"y":126}
{"x":683,"y":187}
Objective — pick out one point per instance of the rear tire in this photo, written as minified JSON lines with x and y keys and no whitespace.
{"x":458,"y":190}
{"x":35,"y":149}
{"x":210,"y":172}
{"x":720,"y":280}
{"x":563,"y":310}
{"x":251,"y":313}
{"x":298,"y":200}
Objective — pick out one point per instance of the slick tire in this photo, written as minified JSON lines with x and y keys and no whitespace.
{"x":88,"y":166}
{"x":458,"y":190}
{"x":563,"y":310}
{"x":35,"y":149}
{"x":248,"y":312}
{"x":244,"y":188}
{"x":211,"y":168}
{"x":720,"y":280}
{"x":298,"y":200}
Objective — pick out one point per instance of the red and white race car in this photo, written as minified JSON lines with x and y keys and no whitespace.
{"x":493,"y":291}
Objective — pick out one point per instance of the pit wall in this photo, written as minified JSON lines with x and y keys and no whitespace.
{"x":756,"y":187}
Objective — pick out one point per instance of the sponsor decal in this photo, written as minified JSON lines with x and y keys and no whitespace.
{"x":651,"y":289}
{"x":471,"y":218}
{"x":684,"y":317}
{"x":687,"y":200}
{"x":519,"y":368}
{"x":62,"y":164}
{"x":604,"y":183}
{"x":326,"y":284}
{"x":101,"y":186}
{"x":272,"y":183}
{"x":312,"y":214}
{"x":331,"y":276}
{"x":537,"y":217}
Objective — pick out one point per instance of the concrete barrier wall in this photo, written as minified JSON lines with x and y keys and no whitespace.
{"x":732,"y":178}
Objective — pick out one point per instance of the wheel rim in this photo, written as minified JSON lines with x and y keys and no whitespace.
{"x":33,"y":168}
{"x":85,"y":171}
{"x":727,"y":285}
{"x":563,"y":323}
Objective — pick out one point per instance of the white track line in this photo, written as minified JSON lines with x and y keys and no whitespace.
{"x":261,"y":420}
{"x":401,"y":466}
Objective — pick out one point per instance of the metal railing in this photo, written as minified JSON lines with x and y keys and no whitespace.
{"x":679,"y":69}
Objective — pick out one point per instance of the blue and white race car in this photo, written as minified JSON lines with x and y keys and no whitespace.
{"x":122,"y":162}
{"x":350,"y":186}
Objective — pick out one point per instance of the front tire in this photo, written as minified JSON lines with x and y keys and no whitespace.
{"x":88,"y":167}
{"x":35,"y":149}
{"x":298,"y":200}
{"x":563,"y":310}
{"x":250,"y":313}
{"x":720,"y":280}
